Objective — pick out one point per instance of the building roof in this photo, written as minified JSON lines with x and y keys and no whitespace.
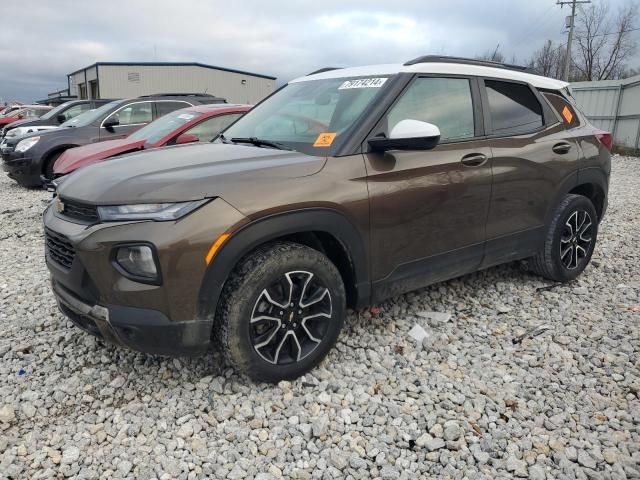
{"x":174,"y":64}
{"x":439,"y":68}
{"x":606,"y":83}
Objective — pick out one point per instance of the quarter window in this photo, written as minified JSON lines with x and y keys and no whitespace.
{"x":564,"y":109}
{"x":210,"y":128}
{"x":444,"y":102}
{"x":513,"y":108}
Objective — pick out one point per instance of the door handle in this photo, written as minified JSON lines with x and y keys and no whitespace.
{"x":562,"y":148}
{"x":474,"y":159}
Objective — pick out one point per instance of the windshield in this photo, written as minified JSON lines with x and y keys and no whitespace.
{"x":87,"y":118}
{"x":309,"y":116}
{"x":52,"y":113}
{"x":154,"y":131}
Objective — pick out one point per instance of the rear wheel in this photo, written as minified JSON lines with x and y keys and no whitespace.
{"x":570,"y":240}
{"x":280,"y":312}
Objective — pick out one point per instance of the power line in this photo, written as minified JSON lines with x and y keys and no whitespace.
{"x":612,"y":33}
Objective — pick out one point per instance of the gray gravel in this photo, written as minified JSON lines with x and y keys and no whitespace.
{"x":466,"y":403}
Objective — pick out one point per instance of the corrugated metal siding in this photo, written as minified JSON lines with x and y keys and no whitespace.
{"x":599,"y":102}
{"x":122,"y":81}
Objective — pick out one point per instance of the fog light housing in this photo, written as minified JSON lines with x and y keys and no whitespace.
{"x":138,"y":262}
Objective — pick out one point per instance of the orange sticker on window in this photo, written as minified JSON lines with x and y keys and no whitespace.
{"x":566,"y":113}
{"x":324,"y":140}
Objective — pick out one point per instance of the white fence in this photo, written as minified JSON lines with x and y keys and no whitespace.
{"x":613,"y":105}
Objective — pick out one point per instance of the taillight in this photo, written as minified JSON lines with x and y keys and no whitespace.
{"x":605,"y":138}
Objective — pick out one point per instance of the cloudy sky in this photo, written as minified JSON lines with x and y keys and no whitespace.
{"x":43,"y":40}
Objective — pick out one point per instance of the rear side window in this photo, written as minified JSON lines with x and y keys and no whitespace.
{"x":162,"y":108}
{"x":564,"y":109}
{"x":444,"y":102}
{"x":513,"y":108}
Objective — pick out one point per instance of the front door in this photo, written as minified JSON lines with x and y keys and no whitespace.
{"x":130,"y":117}
{"x":429,"y":207}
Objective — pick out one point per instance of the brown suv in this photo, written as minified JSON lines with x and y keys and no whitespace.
{"x":341,"y":189}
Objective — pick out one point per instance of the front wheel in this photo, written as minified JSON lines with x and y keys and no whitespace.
{"x":570,"y":240}
{"x":280,"y":312}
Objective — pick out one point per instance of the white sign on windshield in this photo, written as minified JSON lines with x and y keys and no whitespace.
{"x":363,"y":83}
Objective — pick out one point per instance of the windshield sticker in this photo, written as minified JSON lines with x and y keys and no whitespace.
{"x":186,"y":116}
{"x":324,"y":140}
{"x":363,"y":83}
{"x":566,"y":113}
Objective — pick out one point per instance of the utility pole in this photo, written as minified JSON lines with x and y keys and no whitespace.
{"x":567,"y":59}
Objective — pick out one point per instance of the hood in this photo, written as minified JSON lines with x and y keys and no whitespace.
{"x":28,"y":129}
{"x":25,"y":122}
{"x":56,"y":132}
{"x":185,"y":172}
{"x":75,"y":158}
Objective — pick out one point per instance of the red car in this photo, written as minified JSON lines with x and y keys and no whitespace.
{"x":24,"y":112}
{"x":201,"y":123}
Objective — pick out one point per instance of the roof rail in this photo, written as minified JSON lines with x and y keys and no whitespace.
{"x":466,"y":61}
{"x":177,"y":95}
{"x":322,"y":70}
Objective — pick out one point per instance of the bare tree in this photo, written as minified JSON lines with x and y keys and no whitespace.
{"x":494,"y":55}
{"x":604,"y":42}
{"x":548,"y":60}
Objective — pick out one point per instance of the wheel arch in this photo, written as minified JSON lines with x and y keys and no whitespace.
{"x":322,"y":229}
{"x":46,"y":158}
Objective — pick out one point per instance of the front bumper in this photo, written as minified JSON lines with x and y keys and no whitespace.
{"x":162,"y":319}
{"x":20,"y":167}
{"x":144,"y":330}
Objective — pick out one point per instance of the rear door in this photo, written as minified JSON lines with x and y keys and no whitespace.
{"x":130,"y":117}
{"x":429,"y":207}
{"x":532,"y":155}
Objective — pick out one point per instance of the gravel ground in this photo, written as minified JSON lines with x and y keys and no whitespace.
{"x":466,"y":403}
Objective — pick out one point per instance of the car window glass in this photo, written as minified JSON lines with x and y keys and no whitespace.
{"x":134,"y":114}
{"x":513,"y":107}
{"x":444,"y":102}
{"x":166,"y":107}
{"x":564,"y":109}
{"x":75,"y":111}
{"x":210,"y":128}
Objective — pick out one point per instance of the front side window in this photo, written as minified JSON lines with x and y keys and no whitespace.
{"x":134,"y":114}
{"x":310,"y":116}
{"x":444,"y":102}
{"x":513,"y":108}
{"x":210,"y":128}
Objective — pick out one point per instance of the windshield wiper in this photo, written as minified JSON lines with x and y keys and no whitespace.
{"x":259,"y":142}
{"x":222,"y":138}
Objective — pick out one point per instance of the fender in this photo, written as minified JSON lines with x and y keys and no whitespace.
{"x":275,"y":226}
{"x":568,"y":184}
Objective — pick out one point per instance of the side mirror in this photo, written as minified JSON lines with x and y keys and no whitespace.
{"x":111,"y":122}
{"x":186,"y":138}
{"x":61,"y":118}
{"x":408,"y":135}
{"x":21,"y":116}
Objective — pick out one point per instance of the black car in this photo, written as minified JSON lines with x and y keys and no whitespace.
{"x":28,"y":157}
{"x":54,"y":117}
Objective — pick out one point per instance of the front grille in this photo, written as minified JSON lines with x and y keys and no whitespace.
{"x":59,"y":249}
{"x":80,"y":211}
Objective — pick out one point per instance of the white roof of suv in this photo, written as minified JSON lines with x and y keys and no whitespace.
{"x":439,"y":68}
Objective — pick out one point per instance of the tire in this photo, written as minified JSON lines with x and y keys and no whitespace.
{"x":49,"y":163}
{"x":268,"y":337}
{"x":565,"y":255}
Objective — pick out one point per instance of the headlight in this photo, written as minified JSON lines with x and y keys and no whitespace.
{"x":148,"y":211}
{"x":137,"y":261}
{"x":26,"y":144}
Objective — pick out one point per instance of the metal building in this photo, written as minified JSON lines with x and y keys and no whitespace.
{"x":613,"y":105}
{"x":124,"y":79}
